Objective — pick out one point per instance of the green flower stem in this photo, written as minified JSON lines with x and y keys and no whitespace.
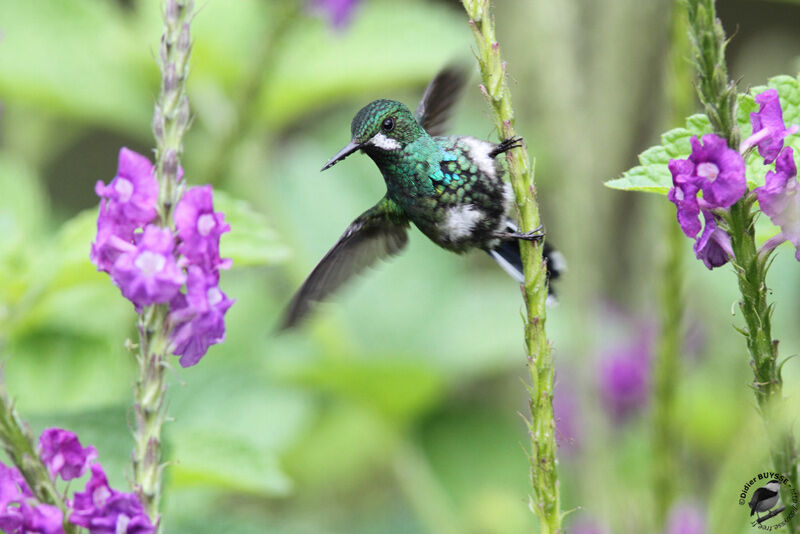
{"x":149,"y":408}
{"x":751,"y":270}
{"x":545,"y":499}
{"x":718,"y":95}
{"x":170,"y":121}
{"x":20,"y":446}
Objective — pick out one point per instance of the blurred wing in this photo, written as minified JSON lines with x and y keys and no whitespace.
{"x":437,"y":102}
{"x":376,"y":234}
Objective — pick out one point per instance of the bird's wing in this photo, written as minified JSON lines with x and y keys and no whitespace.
{"x":754,"y":500}
{"x":376,"y":234}
{"x":440,"y":95}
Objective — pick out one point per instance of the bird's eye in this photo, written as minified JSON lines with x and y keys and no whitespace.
{"x":388,"y":124}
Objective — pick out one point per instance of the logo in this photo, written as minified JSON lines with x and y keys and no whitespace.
{"x":761,"y":498}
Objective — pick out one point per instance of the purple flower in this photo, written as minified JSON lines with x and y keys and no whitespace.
{"x":712,"y":168}
{"x":19,"y":512}
{"x":338,"y":11}
{"x":62,"y":453}
{"x":768,"y":128}
{"x":128,"y":202}
{"x":713,"y":247}
{"x":586,"y":526}
{"x":148,"y":273}
{"x":684,"y":196}
{"x":13,"y":489}
{"x":779,"y":199}
{"x":105,"y":511}
{"x":624,"y":377}
{"x":685,"y":518}
{"x":41,"y":519}
{"x":130,"y":199}
{"x":111,"y":241}
{"x":719,"y":171}
{"x":198,"y":318}
{"x":200,"y":228}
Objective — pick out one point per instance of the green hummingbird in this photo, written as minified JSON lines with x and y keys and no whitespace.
{"x":450,"y":187}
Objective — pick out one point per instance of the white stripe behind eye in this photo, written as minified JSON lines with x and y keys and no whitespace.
{"x":386,"y":143}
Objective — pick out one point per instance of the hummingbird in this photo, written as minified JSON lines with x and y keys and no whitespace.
{"x":450,"y":187}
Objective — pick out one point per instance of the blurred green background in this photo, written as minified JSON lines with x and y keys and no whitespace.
{"x":396,"y":409}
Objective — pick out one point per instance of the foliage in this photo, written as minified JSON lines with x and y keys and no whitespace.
{"x":652,"y":175}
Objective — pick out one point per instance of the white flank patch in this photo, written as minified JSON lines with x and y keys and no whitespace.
{"x":479,"y":153}
{"x":558,"y":262}
{"x":508,"y":197}
{"x":459,"y":221}
{"x":386,"y":143}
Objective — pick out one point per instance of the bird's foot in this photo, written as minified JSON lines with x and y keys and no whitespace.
{"x":534,"y":235}
{"x":505,"y":145}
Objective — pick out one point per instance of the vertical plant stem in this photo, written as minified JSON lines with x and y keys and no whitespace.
{"x":667,"y":367}
{"x":170,"y":121}
{"x":667,"y":371}
{"x":751,"y":269}
{"x":545,"y":497}
{"x":424,"y":492}
{"x":718,"y":95}
{"x":20,"y":446}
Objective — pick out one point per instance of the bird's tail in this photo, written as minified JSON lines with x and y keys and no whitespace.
{"x":508,"y":256}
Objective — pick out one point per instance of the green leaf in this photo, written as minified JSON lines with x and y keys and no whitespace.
{"x":77,"y":59}
{"x":400,"y":390}
{"x":251,"y":240}
{"x":309,"y":72}
{"x":652,"y":175}
{"x":216,"y":460}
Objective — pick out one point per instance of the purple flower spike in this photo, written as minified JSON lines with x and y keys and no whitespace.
{"x":149,"y":274}
{"x":198,"y":318}
{"x":62,"y":453}
{"x":566,"y":412}
{"x":713,"y":247}
{"x":200,"y":228}
{"x":685,"y":518}
{"x":105,"y":511}
{"x":130,"y":198}
{"x":719,"y":171}
{"x":768,"y":127}
{"x":779,"y":199}
{"x":339,"y":12}
{"x":625,"y":379}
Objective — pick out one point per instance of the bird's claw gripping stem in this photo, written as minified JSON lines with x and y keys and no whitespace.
{"x":534,"y":235}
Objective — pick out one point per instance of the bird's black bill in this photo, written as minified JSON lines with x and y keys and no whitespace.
{"x":343,"y":153}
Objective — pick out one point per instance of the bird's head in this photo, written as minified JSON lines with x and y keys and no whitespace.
{"x":382,"y":126}
{"x":773,"y":484}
